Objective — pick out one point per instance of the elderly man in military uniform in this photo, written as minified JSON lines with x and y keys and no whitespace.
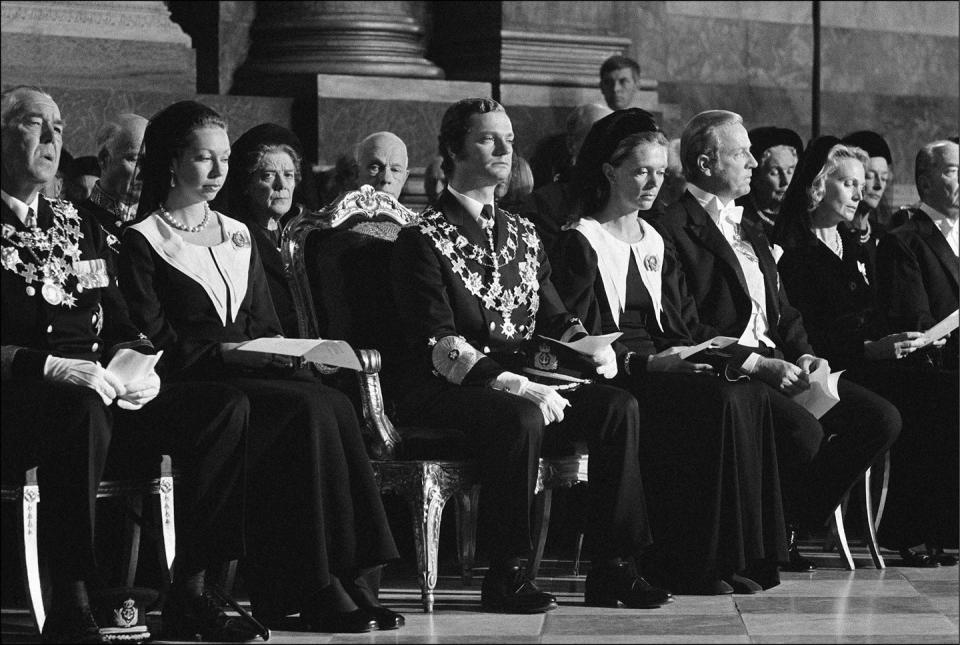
{"x":62,"y":322}
{"x":472,"y":286}
{"x":114,"y":197}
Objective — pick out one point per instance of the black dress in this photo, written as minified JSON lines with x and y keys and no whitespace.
{"x":838,"y":300}
{"x":707,"y":447}
{"x":313,"y":505}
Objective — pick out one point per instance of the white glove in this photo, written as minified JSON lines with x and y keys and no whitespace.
{"x":606,"y":362}
{"x":73,"y":371}
{"x":550,"y":403}
{"x":141,"y":392}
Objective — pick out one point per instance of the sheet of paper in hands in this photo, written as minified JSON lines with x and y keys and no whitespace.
{"x":588,"y":345}
{"x":822,"y":394}
{"x":130,"y":366}
{"x":942,"y":328}
{"x":717,"y":342}
{"x":326,"y":352}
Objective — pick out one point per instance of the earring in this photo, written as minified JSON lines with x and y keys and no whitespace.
{"x":173,"y":180}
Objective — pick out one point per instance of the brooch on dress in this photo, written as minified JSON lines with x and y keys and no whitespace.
{"x":651,"y":262}
{"x":239,"y":240}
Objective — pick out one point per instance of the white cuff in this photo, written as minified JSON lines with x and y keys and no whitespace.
{"x":750,"y":364}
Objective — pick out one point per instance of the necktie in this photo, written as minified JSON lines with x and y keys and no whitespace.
{"x":31,"y":218}
{"x":732,"y":214}
{"x":486,"y":215}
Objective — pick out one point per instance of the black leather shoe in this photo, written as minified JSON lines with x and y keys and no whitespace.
{"x":613,"y":586}
{"x":742,"y":584}
{"x":795,"y":561}
{"x":357,"y":621}
{"x":72,"y":625}
{"x":705,"y":587}
{"x":913,"y":558}
{"x":202,"y":617}
{"x":944,"y":559}
{"x":386,"y":618}
{"x":507,"y":591}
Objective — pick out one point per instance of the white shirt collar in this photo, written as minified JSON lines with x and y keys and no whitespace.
{"x":472,"y":206}
{"x":20,"y":208}
{"x":710,"y":202}
{"x":947,"y":226}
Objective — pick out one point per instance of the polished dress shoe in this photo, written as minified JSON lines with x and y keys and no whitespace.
{"x":202,"y":617}
{"x":742,"y":584}
{"x":71,"y":625}
{"x":944,"y":559}
{"x":913,"y":558}
{"x":507,"y":591}
{"x":386,"y":618}
{"x":357,"y":621}
{"x":795,"y":561}
{"x":705,"y":587}
{"x":615,"y":586}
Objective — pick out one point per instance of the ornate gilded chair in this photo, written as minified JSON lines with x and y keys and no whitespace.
{"x":131,"y":490}
{"x":337,"y":262}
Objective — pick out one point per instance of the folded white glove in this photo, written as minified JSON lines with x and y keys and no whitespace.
{"x":550,"y":403}
{"x":606,"y":362}
{"x":73,"y":371}
{"x":141,"y":392}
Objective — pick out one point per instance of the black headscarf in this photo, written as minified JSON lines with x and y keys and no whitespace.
{"x":600,"y":144}
{"x":793,"y":222}
{"x":766,"y":137}
{"x":871,"y":142}
{"x":232,"y":199}
{"x":166,"y":135}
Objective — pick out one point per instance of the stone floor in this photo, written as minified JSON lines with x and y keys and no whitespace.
{"x":829,"y":605}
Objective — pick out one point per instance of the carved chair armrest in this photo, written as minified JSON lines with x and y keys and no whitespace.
{"x":375,"y":419}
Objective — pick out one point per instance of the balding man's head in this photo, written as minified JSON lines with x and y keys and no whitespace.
{"x":936,"y":175}
{"x":579,"y":122}
{"x":118,"y":151}
{"x":382,"y":162}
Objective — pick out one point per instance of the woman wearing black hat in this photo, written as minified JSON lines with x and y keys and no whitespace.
{"x":776,"y":151}
{"x":873,"y":216}
{"x":316,"y":527}
{"x":707,"y":445}
{"x":829,"y":276}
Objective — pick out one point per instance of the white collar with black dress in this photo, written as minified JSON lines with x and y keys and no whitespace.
{"x":221,"y":270}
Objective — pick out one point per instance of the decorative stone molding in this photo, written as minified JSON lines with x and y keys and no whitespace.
{"x":353,"y":38}
{"x":139,"y":21}
{"x":556,"y":59}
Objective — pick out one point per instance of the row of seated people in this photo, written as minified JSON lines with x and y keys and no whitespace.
{"x":693,"y":465}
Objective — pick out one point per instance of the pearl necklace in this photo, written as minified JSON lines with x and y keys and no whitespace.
{"x":180,"y":226}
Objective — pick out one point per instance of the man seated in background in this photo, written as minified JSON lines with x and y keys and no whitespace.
{"x":619,"y":81}
{"x":382,"y":163}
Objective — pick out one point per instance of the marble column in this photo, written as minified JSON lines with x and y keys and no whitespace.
{"x":110,"y":45}
{"x":294,"y":39}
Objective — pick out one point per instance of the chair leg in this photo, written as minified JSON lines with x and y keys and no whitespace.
{"x":132,"y":532}
{"x":467,"y":531}
{"x":541,"y":524}
{"x":426,"y":505}
{"x":576,"y":558}
{"x":30,"y":562}
{"x":884,"y":487}
{"x":869,"y":524}
{"x":842,"y":538}
{"x":167,"y":519}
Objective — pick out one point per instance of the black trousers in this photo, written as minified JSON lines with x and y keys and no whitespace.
{"x":507,"y":434}
{"x":820,"y":460}
{"x":68,"y":432}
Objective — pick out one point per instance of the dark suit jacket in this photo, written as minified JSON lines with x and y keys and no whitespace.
{"x":916,"y":275}
{"x":549,"y":208}
{"x":95,"y":326}
{"x":715,"y":280}
{"x":837,"y":301}
{"x":433,"y":302}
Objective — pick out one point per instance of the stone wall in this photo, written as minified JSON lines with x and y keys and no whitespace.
{"x":886,"y":66}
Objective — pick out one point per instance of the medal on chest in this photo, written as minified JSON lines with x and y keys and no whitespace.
{"x":471,"y":263}
{"x":48,"y":257}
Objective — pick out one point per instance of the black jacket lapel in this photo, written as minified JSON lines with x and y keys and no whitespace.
{"x":701,"y":226}
{"x":938,"y":244}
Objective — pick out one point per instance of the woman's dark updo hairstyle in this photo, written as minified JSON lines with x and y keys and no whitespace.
{"x":166,"y":137}
{"x":610,"y":140}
